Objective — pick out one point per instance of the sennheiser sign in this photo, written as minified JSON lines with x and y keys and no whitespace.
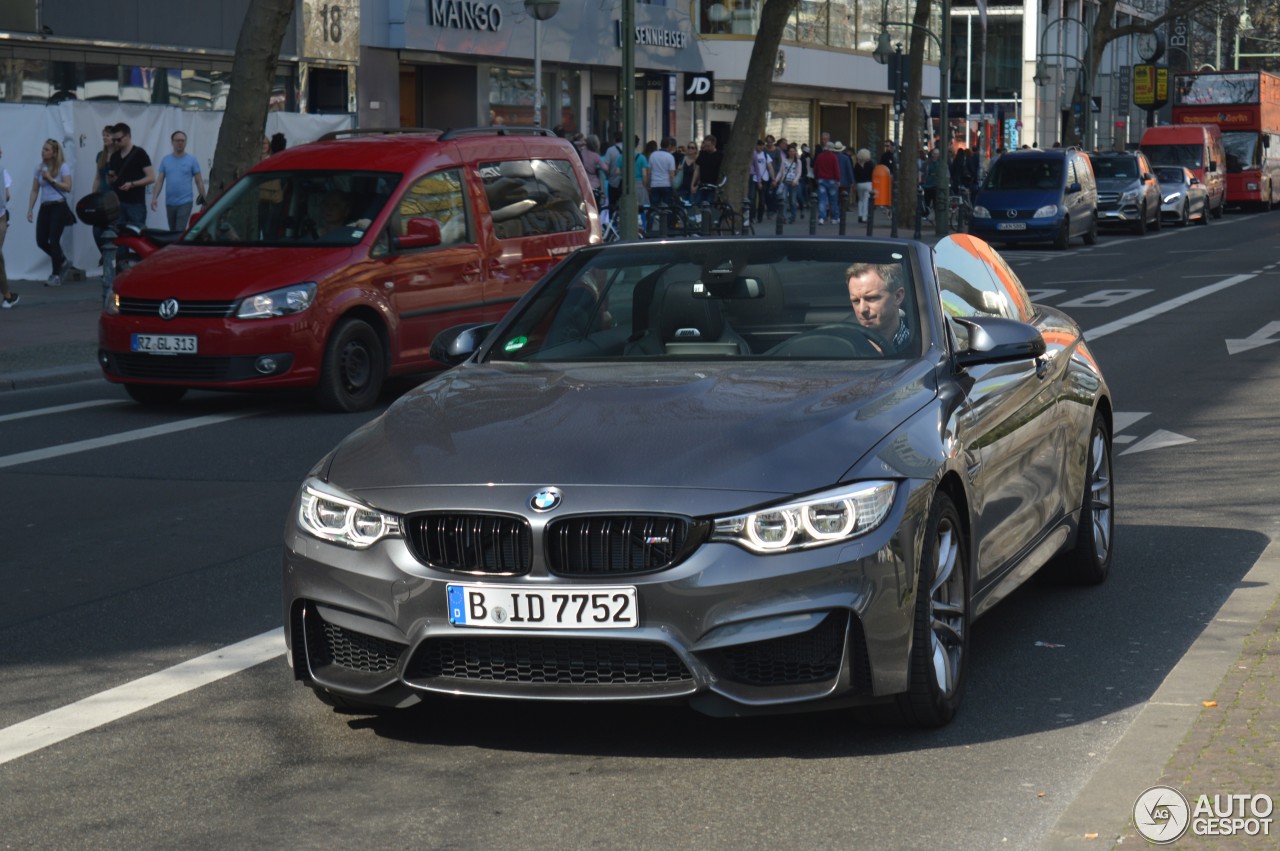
{"x":464,"y":15}
{"x":699,"y":86}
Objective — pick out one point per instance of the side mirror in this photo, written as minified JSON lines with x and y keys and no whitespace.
{"x":454,"y":345}
{"x":994,"y":339}
{"x":419,"y":233}
{"x":1213,"y":165}
{"x":1075,"y":187}
{"x":1195,"y":181}
{"x":1146,"y":175}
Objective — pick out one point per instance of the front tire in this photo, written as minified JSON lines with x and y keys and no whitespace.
{"x":354,"y":368}
{"x":1091,"y":235}
{"x":155,"y":394}
{"x":1088,"y":562}
{"x":1063,"y":237}
{"x":940,"y":635}
{"x":1140,"y":228}
{"x":1186,"y":214}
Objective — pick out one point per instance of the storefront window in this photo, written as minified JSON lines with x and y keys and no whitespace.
{"x":570,"y":88}
{"x":812,"y":16}
{"x":510,"y":95}
{"x":101,"y":82}
{"x":729,"y":17}
{"x":789,"y":119}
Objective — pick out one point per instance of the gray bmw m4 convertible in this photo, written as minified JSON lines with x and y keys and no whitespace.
{"x":751,"y":475}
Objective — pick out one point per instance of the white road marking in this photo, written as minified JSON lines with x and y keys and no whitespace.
{"x":1158,"y":440}
{"x":1165,"y":307}
{"x":1257,"y":338}
{"x":1121,"y":420}
{"x":115,"y":439}
{"x":59,"y":409}
{"x":52,"y":727}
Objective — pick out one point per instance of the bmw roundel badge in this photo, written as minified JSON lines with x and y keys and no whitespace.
{"x":546,"y":499}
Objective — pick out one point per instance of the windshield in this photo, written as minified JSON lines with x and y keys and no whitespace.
{"x":1115,"y":168}
{"x":1241,"y":150}
{"x":1030,"y":173}
{"x":721,"y":299}
{"x":296,"y":208}
{"x":1170,"y":176}
{"x":1192,"y":156}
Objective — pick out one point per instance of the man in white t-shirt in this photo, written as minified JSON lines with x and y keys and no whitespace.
{"x":662,"y":170}
{"x":6,"y":182}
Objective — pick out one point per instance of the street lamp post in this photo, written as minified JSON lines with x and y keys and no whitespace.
{"x":539,"y":10}
{"x":1042,"y":77}
{"x":884,"y":49}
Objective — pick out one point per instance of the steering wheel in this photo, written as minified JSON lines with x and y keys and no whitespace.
{"x":845,"y":338}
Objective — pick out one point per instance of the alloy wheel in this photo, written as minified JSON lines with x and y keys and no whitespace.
{"x":1100,"y":489}
{"x":947,"y":609}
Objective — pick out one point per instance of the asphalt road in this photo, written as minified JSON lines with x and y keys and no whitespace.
{"x":135,"y":541}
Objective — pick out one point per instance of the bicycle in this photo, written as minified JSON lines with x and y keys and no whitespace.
{"x":960,"y":210}
{"x":724,"y":217}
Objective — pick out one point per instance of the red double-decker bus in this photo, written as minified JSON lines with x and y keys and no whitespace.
{"x":1246,"y":107}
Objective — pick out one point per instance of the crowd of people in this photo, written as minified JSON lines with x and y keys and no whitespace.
{"x":783,"y":175}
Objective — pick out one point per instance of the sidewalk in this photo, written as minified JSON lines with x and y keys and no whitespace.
{"x":51,"y":335}
{"x":1178,"y":739}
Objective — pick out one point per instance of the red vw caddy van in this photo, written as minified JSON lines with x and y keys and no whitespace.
{"x":332,"y":265}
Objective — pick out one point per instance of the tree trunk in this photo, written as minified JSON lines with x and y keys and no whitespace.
{"x":240,"y":137}
{"x":748,"y":125}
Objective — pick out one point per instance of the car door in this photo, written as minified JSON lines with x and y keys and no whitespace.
{"x":434,"y":287}
{"x":1007,"y":424}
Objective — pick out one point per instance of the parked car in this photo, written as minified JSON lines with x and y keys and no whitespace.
{"x":1185,"y":197}
{"x":1038,"y":196}
{"x":332,"y":265}
{"x":1194,"y":146}
{"x":686,"y":470}
{"x":1128,"y":192}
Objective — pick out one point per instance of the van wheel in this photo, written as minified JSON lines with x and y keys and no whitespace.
{"x":1063,"y":237}
{"x":1091,"y":235}
{"x":354,"y":368}
{"x":154,"y":394}
{"x":1217,"y":211}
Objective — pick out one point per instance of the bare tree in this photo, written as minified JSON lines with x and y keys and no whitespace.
{"x":252,"y":75}
{"x":748,"y":125}
{"x":1104,"y":31}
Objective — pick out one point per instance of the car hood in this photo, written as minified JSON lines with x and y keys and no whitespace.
{"x":224,"y":273}
{"x":1021,"y":199}
{"x":1117,"y":184}
{"x":770,"y":428}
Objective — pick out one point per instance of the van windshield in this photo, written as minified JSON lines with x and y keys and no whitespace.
{"x":295,"y":208}
{"x":1191,"y":156}
{"x":1107,"y":168}
{"x":1011,"y":173}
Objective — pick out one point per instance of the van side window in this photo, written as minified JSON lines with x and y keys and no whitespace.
{"x":533,"y":197}
{"x":438,"y":196}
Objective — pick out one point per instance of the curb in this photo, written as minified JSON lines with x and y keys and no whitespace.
{"x":1104,"y":807}
{"x":31,"y":378}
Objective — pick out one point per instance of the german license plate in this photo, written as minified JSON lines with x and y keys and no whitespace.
{"x":522,"y":607}
{"x":164,"y":344}
{"x":1011,"y":226}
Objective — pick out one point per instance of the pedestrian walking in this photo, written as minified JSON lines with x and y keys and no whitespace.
{"x":759,"y":180}
{"x":102,"y":164}
{"x":684,"y":166}
{"x":846,"y":176}
{"x":789,"y":184}
{"x":6,"y":182}
{"x":129,"y":173}
{"x":50,"y":188}
{"x":863,"y":170}
{"x":662,"y":173}
{"x":176,"y":172}
{"x":597,"y":175}
{"x":706,"y":172}
{"x":826,"y":168}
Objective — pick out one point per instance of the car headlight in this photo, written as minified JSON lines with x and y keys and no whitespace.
{"x":330,"y":515}
{"x":827,"y":518}
{"x":1130,"y":197}
{"x":1171,"y":197}
{"x":1048,"y":211}
{"x":981,"y":212}
{"x":111,"y":306}
{"x":281,"y":302}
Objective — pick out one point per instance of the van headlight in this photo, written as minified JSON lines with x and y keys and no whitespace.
{"x":1048,"y":211}
{"x":111,"y":306}
{"x":826,"y":518}
{"x":281,"y":302}
{"x":327,"y":513}
{"x":981,"y":212}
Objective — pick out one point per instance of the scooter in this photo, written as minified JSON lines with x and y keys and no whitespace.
{"x":143,"y":241}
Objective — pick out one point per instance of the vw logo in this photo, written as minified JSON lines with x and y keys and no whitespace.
{"x":168,"y":308}
{"x":546,"y":499}
{"x":1013,"y":214}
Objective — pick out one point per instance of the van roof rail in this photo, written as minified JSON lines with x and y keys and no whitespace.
{"x":500,"y":130}
{"x":374,"y":131}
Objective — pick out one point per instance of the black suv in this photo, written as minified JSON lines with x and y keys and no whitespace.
{"x":1128,"y":192}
